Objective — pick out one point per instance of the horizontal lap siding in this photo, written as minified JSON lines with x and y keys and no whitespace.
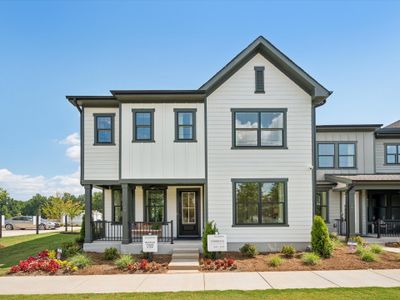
{"x":381,"y":167}
{"x":100,"y":162}
{"x":365,"y":151}
{"x":164,"y":158}
{"x":293,"y":163}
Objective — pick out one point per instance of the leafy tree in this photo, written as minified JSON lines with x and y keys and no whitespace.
{"x":54,"y":208}
{"x":33,"y":205}
{"x":73,"y":208}
{"x":97,"y":203}
{"x":8,"y":206}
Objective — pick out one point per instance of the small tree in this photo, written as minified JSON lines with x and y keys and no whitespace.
{"x":73,"y":209}
{"x":210,"y":228}
{"x":54,"y":208}
{"x":320,"y":241}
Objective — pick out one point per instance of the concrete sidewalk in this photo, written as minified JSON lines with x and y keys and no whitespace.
{"x":197,"y":281}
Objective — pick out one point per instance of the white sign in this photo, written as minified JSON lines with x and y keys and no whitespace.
{"x":34,"y":220}
{"x":217,"y":243}
{"x":2,"y":220}
{"x":150,"y":243}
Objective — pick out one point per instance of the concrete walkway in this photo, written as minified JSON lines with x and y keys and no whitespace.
{"x":197,"y":281}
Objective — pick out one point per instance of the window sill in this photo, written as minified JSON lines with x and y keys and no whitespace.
{"x":185,"y":141}
{"x":143,"y":141}
{"x":261,"y":225}
{"x":260,"y":148}
{"x":104,"y":144}
{"x":259,"y":92}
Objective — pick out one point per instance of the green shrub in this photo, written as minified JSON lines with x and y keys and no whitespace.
{"x":275,"y":261}
{"x":320,"y":242}
{"x":111,"y":253}
{"x":333,"y":236}
{"x":359,"y":240}
{"x":249,"y":250}
{"x":360,"y":249}
{"x":123,"y":261}
{"x":310,"y":259}
{"x":368,"y":256}
{"x":288,"y":251}
{"x":375,"y":248}
{"x":81,"y":237}
{"x":210,"y":228}
{"x":70,"y":249}
{"x":80,"y":260}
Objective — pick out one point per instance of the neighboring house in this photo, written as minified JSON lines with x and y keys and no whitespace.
{"x":240,"y":151}
{"x":359,"y":166}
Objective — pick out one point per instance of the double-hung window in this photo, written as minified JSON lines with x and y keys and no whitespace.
{"x":392,"y":154}
{"x":185,"y":125}
{"x":321,"y":205}
{"x":259,"y":128}
{"x":143,"y":125}
{"x":155,"y":205}
{"x":117,"y":206}
{"x":326,"y":155}
{"x":347,"y":155}
{"x":259,"y":202}
{"x":104,"y":129}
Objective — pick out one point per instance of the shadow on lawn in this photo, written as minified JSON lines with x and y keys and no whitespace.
{"x":11,"y":255}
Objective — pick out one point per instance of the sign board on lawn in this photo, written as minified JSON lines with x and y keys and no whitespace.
{"x":150,"y":243}
{"x":217,"y":243}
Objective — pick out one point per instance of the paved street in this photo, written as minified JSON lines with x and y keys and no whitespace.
{"x":197,"y":281}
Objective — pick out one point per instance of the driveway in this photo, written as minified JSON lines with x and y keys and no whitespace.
{"x":18,"y":232}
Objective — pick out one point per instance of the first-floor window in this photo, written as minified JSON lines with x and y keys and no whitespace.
{"x":321,"y":205}
{"x":260,"y":202}
{"x":155,"y":205}
{"x":117,"y":206}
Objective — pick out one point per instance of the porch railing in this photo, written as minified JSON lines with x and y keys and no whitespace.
{"x":164,"y":231}
{"x":384,"y":228}
{"x":107,"y":231}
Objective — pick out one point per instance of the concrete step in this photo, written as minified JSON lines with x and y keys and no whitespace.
{"x":185,"y":255}
{"x":183,"y":265}
{"x":184,"y":259}
{"x":185,"y":250}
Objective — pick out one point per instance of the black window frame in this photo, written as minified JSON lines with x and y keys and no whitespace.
{"x":115,"y":206}
{"x":96,"y":129}
{"x":259,"y":80}
{"x":145,"y":204}
{"x":193,"y":111}
{"x":151,"y":126}
{"x":259,"y":129}
{"x":327,"y":204}
{"x":397,"y":154}
{"x":336,"y":155}
{"x":260,"y":182}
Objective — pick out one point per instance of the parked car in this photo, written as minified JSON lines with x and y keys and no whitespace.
{"x":26,"y":222}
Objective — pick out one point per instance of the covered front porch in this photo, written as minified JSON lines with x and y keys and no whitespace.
{"x":366,"y":205}
{"x":170,"y":211}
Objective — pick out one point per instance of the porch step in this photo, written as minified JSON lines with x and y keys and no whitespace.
{"x":184,"y":259}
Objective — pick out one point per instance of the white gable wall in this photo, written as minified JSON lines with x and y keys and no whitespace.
{"x":292,"y":163}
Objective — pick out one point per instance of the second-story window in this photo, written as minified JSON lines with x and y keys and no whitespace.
{"x":347,"y":155}
{"x":392,"y":154}
{"x":143,"y":125}
{"x":104,"y":129}
{"x":326,"y":155}
{"x":185,"y":125}
{"x":259,"y":128}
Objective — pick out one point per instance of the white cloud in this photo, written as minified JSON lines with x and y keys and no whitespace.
{"x":73,"y":152}
{"x":23,"y":187}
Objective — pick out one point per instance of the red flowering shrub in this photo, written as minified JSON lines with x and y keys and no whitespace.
{"x":219,"y":264}
{"x":145,"y":266}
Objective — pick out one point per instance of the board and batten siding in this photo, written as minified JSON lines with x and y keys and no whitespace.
{"x":293,"y":163}
{"x":162,"y":158}
{"x":381,"y":166}
{"x":364,"y":155}
{"x":100,"y":161}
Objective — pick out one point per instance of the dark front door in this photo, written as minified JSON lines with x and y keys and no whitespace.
{"x":188,"y":213}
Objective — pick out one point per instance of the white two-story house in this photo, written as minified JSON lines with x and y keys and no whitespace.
{"x":240,"y":151}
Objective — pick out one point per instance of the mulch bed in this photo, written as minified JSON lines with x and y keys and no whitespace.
{"x":341,"y":260}
{"x":393,"y":244}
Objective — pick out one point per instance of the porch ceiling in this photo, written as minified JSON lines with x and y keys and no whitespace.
{"x":364,"y":179}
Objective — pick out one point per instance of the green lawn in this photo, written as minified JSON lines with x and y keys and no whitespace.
{"x":16,"y":248}
{"x":317,"y":294}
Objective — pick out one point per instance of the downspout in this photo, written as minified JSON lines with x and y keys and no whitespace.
{"x":351,"y":186}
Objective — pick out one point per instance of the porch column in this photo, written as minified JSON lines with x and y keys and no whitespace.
{"x":350,"y":212}
{"x":126,"y":213}
{"x":363,"y":212}
{"x":88,"y":213}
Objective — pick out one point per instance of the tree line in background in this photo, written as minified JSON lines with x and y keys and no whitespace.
{"x":52,"y":207}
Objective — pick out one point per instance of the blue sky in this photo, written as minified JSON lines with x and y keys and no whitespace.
{"x":50,"y":49}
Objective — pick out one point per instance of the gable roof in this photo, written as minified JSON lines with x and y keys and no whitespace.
{"x":389,"y":131}
{"x":261,"y":45}
{"x":394,"y":125}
